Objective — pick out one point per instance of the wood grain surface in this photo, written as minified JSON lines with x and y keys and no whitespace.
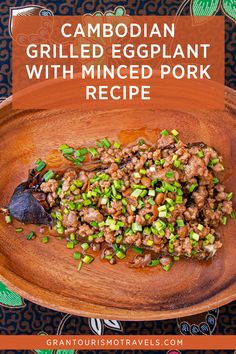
{"x":47,"y":275}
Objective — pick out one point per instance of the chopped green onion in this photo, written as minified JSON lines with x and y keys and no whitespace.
{"x":214,"y":162}
{"x":167,"y":267}
{"x":137,"y":249}
{"x":169,"y":174}
{"x":83,"y":151}
{"x":224,"y":220}
{"x":230,"y":196}
{"x":149,"y":242}
{"x":210,"y":238}
{"x":137,"y":175}
{"x":72,"y":237}
{"x":45,"y":239}
{"x":116,"y":145}
{"x":179,"y":191}
{"x":93,"y":151}
{"x":120,"y":254}
{"x":30,"y":235}
{"x":7,"y":219}
{"x":119,"y":239}
{"x":144,"y":193}
{"x":200,"y":227}
{"x":53,"y":215}
{"x":139,"y":186}
{"x":142,"y":171}
{"x":19,"y":229}
{"x":94,"y":224}
{"x":141,"y":142}
{"x":40,"y":165}
{"x":70,"y":245}
{"x":113,"y":190}
{"x":160,"y":190}
{"x":58,"y":215}
{"x":215,"y":180}
{"x":71,"y":205}
{"x":60,"y":230}
{"x":151,"y":192}
{"x":179,"y":199}
{"x":162,"y":208}
{"x":48,"y":175}
{"x":159,"y":162}
{"x":104,"y":201}
{"x":67,"y":151}
{"x":232,"y":215}
{"x":195,"y":236}
{"x":136,"y":227}
{"x":77,"y":255}
{"x":88,"y":259}
{"x":180,"y":222}
{"x":169,"y":187}
{"x":73,"y":188}
{"x":175,"y":157}
{"x":78,"y":183}
{"x":200,"y":153}
{"x":80,"y":266}
{"x":79,"y":160}
{"x":120,"y":223}
{"x":85,"y":246}
{"x":177,"y":163}
{"x":151,"y":201}
{"x":192,"y":187}
{"x":99,"y":144}
{"x":136,"y":193}
{"x":174,"y":132}
{"x":162,"y":214}
{"x":63,"y":147}
{"x":154,"y":262}
{"x":164,"y":132}
{"x":106,"y":143}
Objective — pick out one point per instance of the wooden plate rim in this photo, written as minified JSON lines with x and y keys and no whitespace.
{"x":218,"y":300}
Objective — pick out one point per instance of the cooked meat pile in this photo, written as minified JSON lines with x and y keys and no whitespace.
{"x":163,"y":201}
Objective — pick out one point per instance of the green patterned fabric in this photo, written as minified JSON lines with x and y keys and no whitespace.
{"x":9,"y":298}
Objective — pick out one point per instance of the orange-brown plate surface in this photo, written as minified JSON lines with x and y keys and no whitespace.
{"x":46,"y":274}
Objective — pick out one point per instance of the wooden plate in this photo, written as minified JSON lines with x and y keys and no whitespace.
{"x":47,"y":275}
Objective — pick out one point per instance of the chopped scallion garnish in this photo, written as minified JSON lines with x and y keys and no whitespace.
{"x":154,"y":263}
{"x":7,"y":219}
{"x":79,"y":266}
{"x":174,"y":132}
{"x":40,"y":165}
{"x":169,"y":174}
{"x":93,"y":152}
{"x":180,"y":222}
{"x":200,"y":153}
{"x":19,"y":229}
{"x":30,"y":235}
{"x":136,"y":227}
{"x":105,"y":143}
{"x":116,"y":145}
{"x":230,"y":196}
{"x":85,"y":246}
{"x":192,"y":187}
{"x":137,"y":249}
{"x":48,"y":175}
{"x":164,"y":132}
{"x":77,"y":255}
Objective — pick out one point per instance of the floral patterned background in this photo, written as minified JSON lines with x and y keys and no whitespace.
{"x":19,"y":316}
